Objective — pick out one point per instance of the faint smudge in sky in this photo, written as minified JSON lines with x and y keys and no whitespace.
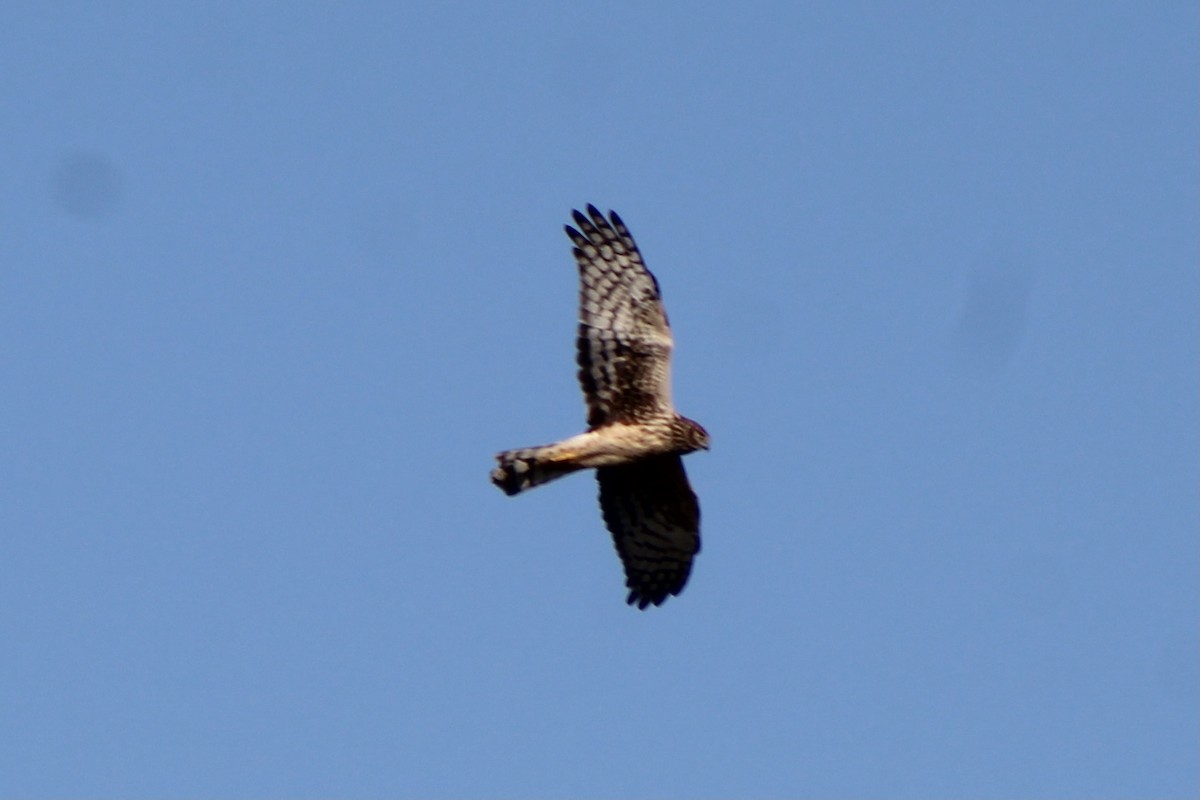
{"x":86,"y":185}
{"x":994,"y":311}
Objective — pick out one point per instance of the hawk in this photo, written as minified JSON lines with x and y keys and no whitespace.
{"x":635,"y":439}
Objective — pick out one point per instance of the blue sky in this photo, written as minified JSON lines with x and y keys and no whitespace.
{"x":278,"y":280}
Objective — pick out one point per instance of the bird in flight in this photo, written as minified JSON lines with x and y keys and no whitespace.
{"x":635,"y":438}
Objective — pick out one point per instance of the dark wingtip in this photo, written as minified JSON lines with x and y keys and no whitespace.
{"x":577,"y":238}
{"x":506,"y":481}
{"x":644,"y":601}
{"x":579,"y":218}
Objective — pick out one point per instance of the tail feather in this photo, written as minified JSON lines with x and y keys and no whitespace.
{"x":523,"y":469}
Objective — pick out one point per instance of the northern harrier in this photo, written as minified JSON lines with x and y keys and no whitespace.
{"x":635,"y":438}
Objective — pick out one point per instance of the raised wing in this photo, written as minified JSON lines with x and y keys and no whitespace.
{"x":624,"y":344}
{"x":654,"y":518}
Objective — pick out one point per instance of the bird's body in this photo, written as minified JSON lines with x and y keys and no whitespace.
{"x":635,"y":438}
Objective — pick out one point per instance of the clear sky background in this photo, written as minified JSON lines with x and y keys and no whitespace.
{"x":276,"y":281}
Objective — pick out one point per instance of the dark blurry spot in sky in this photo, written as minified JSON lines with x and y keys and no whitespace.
{"x":86,"y":185}
{"x":994,"y":311}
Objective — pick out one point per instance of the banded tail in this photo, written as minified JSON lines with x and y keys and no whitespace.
{"x":529,"y":467}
